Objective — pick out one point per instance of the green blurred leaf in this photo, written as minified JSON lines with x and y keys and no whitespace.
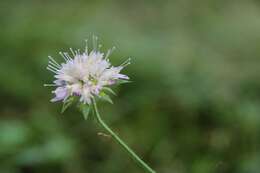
{"x":109,"y":90}
{"x":85,"y":109}
{"x":105,"y":97}
{"x":122,"y":81}
{"x":67,"y":103}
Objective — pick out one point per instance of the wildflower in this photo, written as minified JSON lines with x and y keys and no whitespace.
{"x":84,"y":75}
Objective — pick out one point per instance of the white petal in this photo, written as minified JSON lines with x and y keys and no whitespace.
{"x":61,"y":93}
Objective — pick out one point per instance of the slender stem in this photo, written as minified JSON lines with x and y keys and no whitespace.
{"x":120,"y":142}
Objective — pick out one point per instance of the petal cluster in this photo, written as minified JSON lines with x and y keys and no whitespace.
{"x":84,"y":75}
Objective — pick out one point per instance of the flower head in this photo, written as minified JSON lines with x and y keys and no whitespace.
{"x":84,"y":75}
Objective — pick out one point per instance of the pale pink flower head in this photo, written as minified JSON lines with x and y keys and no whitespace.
{"x":84,"y":75}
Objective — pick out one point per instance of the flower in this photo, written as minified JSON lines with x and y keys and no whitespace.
{"x":84,"y":75}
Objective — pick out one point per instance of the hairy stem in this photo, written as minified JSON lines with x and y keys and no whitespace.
{"x":120,"y":142}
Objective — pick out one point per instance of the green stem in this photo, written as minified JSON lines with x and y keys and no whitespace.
{"x":120,"y":142}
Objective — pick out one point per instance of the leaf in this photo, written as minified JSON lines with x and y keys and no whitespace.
{"x":66,"y":104}
{"x":122,"y":81}
{"x":105,"y":97}
{"x":109,"y":90}
{"x":85,"y":109}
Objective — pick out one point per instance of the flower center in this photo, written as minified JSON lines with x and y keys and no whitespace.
{"x":81,"y":82}
{"x":93,"y":80}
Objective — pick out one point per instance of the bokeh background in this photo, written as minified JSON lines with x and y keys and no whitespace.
{"x":193,"y":105}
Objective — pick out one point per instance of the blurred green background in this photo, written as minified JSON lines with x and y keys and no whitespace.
{"x":193,"y":106}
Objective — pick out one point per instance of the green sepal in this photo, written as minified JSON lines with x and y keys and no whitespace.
{"x":67,"y":103}
{"x":122,"y":81}
{"x":105,"y":97}
{"x":85,"y":109}
{"x":109,"y":90}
